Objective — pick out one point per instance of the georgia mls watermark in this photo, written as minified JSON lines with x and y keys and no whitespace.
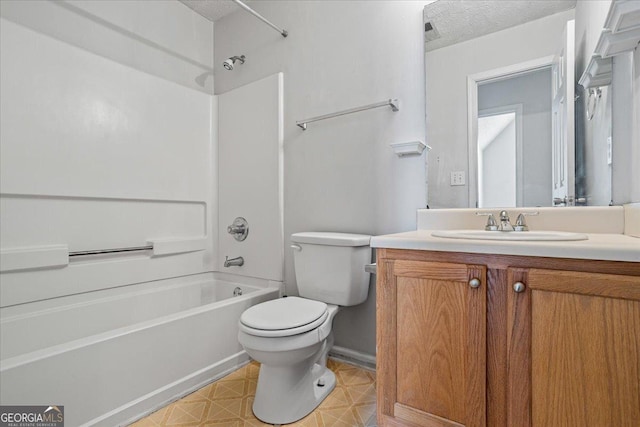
{"x":32,"y":416}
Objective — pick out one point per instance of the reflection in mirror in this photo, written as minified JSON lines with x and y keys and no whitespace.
{"x":514,"y":140}
{"x":516,"y":61}
{"x":497,"y":140}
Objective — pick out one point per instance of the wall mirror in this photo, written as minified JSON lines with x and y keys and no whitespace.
{"x":504,"y":114}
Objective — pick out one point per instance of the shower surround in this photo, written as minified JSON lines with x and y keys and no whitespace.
{"x":109,"y":139}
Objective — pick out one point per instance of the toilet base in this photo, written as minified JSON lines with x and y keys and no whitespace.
{"x":288,"y":394}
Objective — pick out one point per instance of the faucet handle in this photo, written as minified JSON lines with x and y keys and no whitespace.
{"x":491,"y":221}
{"x":239,"y":229}
{"x":521,"y":224}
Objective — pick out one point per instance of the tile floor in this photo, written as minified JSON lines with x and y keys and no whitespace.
{"x":227,"y":402}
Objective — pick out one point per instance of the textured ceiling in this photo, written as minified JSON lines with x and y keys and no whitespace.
{"x":212,"y":9}
{"x":454,"y":20}
{"x":459,"y":20}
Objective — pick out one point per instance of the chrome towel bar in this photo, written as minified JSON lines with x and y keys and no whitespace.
{"x":393,"y":103}
{"x":111,"y":251}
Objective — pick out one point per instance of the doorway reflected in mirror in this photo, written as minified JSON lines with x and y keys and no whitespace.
{"x":497,"y":152}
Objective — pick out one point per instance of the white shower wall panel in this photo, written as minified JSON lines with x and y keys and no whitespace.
{"x":75,"y":123}
{"x":250,"y":138}
{"x":110,"y":223}
{"x":95,"y":154}
{"x":30,"y":222}
{"x":163,"y":38}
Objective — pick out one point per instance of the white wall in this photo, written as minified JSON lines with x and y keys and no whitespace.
{"x":250,"y":177}
{"x":533,"y":92}
{"x":634,"y":194}
{"x":446,"y":94}
{"x":625,"y":128}
{"x":590,"y":18}
{"x":593,"y":174}
{"x":163,"y":38}
{"x":96,"y":153}
{"x":597,"y":172}
{"x":340,"y":174}
{"x":616,"y":115}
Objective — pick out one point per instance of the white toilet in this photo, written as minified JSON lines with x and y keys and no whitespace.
{"x":291,"y":337}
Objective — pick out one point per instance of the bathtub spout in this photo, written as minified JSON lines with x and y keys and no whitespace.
{"x":238,"y":261}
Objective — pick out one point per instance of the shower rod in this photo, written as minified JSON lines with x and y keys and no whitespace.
{"x":262,"y":18}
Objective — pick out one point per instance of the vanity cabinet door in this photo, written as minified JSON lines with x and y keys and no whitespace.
{"x":573,"y":349}
{"x":431,"y":343}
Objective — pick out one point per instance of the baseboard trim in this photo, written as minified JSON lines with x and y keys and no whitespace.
{"x":151,"y":402}
{"x":353,"y":357}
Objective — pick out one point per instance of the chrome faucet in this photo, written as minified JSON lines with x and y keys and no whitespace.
{"x":505,"y":224}
{"x":238,"y":261}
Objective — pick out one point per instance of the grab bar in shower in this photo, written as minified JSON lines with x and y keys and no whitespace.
{"x":168,"y":246}
{"x":57,"y":256}
{"x":111,"y":251}
{"x":393,"y":103}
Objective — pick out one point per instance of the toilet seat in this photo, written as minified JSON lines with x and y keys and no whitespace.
{"x":283,"y":317}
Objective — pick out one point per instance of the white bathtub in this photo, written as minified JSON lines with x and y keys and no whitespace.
{"x":113,"y":355}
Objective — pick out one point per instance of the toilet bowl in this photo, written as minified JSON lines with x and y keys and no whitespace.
{"x":293,"y":377}
{"x":291,"y":337}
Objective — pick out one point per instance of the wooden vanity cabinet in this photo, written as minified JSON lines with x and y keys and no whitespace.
{"x":432,"y":328}
{"x":574,"y":349}
{"x":533,"y":342}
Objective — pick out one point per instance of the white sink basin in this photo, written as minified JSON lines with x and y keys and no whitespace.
{"x":510,"y":235}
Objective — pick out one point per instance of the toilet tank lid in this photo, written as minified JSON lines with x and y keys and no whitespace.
{"x":331,"y":239}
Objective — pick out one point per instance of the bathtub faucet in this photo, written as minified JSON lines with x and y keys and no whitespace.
{"x":238,"y":261}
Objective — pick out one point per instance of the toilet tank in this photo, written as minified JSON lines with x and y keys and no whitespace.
{"x":330,"y":266}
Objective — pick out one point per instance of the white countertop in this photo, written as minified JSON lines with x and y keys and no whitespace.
{"x":609,"y":247}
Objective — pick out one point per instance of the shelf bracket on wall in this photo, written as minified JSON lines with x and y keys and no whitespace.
{"x":393,"y":103}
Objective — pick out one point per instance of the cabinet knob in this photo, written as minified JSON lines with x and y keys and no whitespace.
{"x":474,"y":283}
{"x":518,"y":287}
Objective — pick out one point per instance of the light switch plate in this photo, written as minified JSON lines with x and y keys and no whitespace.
{"x":458,"y":178}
